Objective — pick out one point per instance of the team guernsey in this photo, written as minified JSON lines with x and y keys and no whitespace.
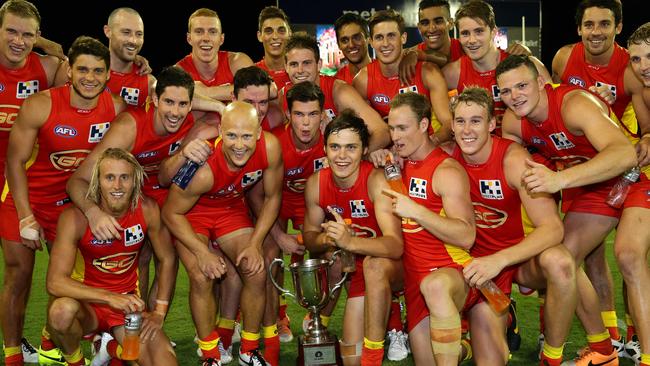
{"x":355,"y":204}
{"x":455,"y":49}
{"x":326,"y":84}
{"x":131,"y":87}
{"x":554,"y":141}
{"x":381,"y":89}
{"x":280,"y":77}
{"x":423,"y":252}
{"x":150,"y":149}
{"x":345,"y":74}
{"x":15,"y":86}
{"x":223,"y":74}
{"x":298,"y":166}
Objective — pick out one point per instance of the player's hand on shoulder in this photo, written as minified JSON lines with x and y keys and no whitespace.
{"x":538,"y":178}
{"x":102,"y":225}
{"x":197,"y":150}
{"x":407,"y":66}
{"x":604,"y":92}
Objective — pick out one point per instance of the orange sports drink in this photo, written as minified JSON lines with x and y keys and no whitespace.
{"x":393,"y":175}
{"x":498,"y":301}
{"x":131,"y":343}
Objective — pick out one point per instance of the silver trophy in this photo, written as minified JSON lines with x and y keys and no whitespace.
{"x":312,"y":291}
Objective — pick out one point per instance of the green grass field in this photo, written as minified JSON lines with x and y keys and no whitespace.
{"x":180,"y":328}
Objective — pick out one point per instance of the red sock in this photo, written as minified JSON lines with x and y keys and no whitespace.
{"x":248,"y":345}
{"x":395,"y":317}
{"x":613,"y":333}
{"x":272,"y":350}
{"x":212,"y":352}
{"x":111,"y":348}
{"x":226,"y":336}
{"x":115,"y":362}
{"x":631,"y":332}
{"x":549,"y":361}
{"x":81,"y":362}
{"x":371,"y":357}
{"x":15,"y":360}
{"x":47,"y":344}
{"x":282,"y":311}
{"x":603,"y":347}
{"x":541,"y":319}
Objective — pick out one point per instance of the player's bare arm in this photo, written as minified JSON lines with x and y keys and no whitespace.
{"x":435,"y":82}
{"x":451,"y":72}
{"x":559,"y":62}
{"x":315,"y":239}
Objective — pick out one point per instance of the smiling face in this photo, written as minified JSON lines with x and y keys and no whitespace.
{"x":476,"y":38}
{"x":344,"y":151}
{"x":302,"y":65}
{"x":274,"y":35}
{"x":88,"y":76}
{"x":353,"y":43}
{"x":434,"y":25}
{"x":598,"y":30}
{"x":126,"y":35}
{"x":472,"y":126}
{"x":173,"y":106}
{"x":17,"y":37}
{"x":239,"y":131}
{"x":387,"y":42}
{"x":116,"y":183}
{"x":640,"y":61}
{"x":520,"y":90}
{"x":205,"y":37}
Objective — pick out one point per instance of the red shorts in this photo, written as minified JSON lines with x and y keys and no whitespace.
{"x":293,"y":210}
{"x":215,"y":222}
{"x":160,"y":194}
{"x":639,"y":195}
{"x":107,"y":317}
{"x":503,"y":281}
{"x":590,"y":199}
{"x":357,"y":282}
{"x":47,"y":215}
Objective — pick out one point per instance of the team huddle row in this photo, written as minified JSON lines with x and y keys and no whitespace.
{"x":94,"y":147}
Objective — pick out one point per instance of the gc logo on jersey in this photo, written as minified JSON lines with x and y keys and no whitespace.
{"x":410,"y":88}
{"x":358,"y":209}
{"x":130,"y":95}
{"x":26,"y":88}
{"x":487,"y":217}
{"x":68,"y":160}
{"x":490,"y":189}
{"x":97,"y":131}
{"x":418,"y":188}
{"x":133,"y":235}
{"x":251,"y":178}
{"x":320,"y":163}
{"x":560,"y":141}
{"x":115,"y":263}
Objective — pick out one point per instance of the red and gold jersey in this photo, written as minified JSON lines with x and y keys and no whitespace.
{"x":345,"y":74}
{"x":150,"y":148}
{"x":223,"y":74}
{"x":486,"y":80}
{"x":65,"y":139}
{"x":326,"y":84}
{"x":424,"y":252}
{"x":455,"y":49}
{"x":15,"y":86}
{"x":112,"y":264}
{"x":298,"y":166}
{"x":131,"y":87}
{"x":229,"y":186}
{"x":280,"y":77}
{"x":497,"y":206}
{"x":381,"y":89}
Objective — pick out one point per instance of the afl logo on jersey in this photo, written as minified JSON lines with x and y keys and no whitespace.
{"x":577,"y":81}
{"x":381,"y":99}
{"x":65,"y":131}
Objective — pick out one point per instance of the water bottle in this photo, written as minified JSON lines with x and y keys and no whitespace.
{"x":498,"y":301}
{"x":393,"y":175}
{"x":131,"y":344}
{"x":617,"y":195}
{"x":185,"y":173}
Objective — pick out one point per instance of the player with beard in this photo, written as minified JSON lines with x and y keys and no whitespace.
{"x":352,"y":39}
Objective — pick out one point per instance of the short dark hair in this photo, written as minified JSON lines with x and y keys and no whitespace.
{"x":251,"y":75}
{"x":388,"y":15}
{"x":426,"y":4}
{"x":20,"y":8}
{"x":85,"y":45}
{"x":514,"y":61}
{"x":476,"y":95}
{"x":477,"y":9}
{"x":271,"y":12}
{"x":302,"y":40}
{"x":640,"y":35}
{"x":418,"y":104}
{"x":348,"y":120}
{"x":348,"y":18}
{"x":305,"y":92}
{"x":615,"y":6}
{"x":174,"y":76}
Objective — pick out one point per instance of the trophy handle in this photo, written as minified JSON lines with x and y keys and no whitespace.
{"x":338,"y":285}
{"x":334,"y":256}
{"x":279,"y":261}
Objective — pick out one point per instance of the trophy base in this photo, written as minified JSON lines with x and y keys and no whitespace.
{"x":325,"y":354}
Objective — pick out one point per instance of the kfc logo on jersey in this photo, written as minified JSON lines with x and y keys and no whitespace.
{"x":97,"y":132}
{"x":418,"y":188}
{"x":577,"y":81}
{"x":130,"y":95}
{"x":26,"y":88}
{"x":487,"y":217}
{"x":320,"y":163}
{"x":537,"y":140}
{"x":381,"y":99}
{"x":251,"y":178}
{"x":68,"y":160}
{"x":174,"y":147}
{"x":115,"y":263}
{"x":496,"y":93}
{"x":335,"y":208}
{"x":133,"y":235}
{"x":100,"y":243}
{"x":222,"y":192}
{"x":560,"y":141}
{"x":490,"y":189}
{"x":410,"y":88}
{"x":611,"y":88}
{"x":294,"y":171}
{"x":65,"y":131}
{"x":358,"y":209}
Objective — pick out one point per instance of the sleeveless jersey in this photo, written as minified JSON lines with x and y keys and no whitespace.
{"x":65,"y":139}
{"x":133,"y":88}
{"x":424,"y":252}
{"x":487,"y":80}
{"x":497,"y":206}
{"x":149,"y":148}
{"x":455,"y":49}
{"x":229,"y":187}
{"x":15,"y":86}
{"x":345,"y":74}
{"x":280,"y":77}
{"x":223,"y":74}
{"x":381,"y":89}
{"x":112,"y":264}
{"x":326,"y":85}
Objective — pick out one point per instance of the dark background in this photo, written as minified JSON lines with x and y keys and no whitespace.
{"x":166,"y":24}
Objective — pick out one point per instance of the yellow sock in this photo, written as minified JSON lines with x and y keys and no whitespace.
{"x":208,"y":345}
{"x":609,"y":318}
{"x":645,"y":358}
{"x":283,"y":300}
{"x":11,"y":351}
{"x":75,"y":357}
{"x":552,"y":352}
{"x":628,"y":320}
{"x":45,"y":334}
{"x":270,"y":331}
{"x":249,"y":336}
{"x":595,"y":338}
{"x":325,"y":320}
{"x":373,"y":344}
{"x":226,"y":323}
